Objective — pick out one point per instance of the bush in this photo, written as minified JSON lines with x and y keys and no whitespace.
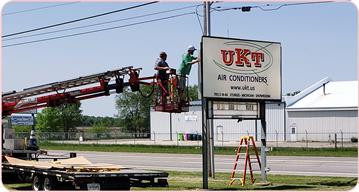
{"x":99,"y":128}
{"x":354,"y":139}
{"x":22,"y":128}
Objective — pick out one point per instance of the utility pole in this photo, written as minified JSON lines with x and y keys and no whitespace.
{"x":206,"y":125}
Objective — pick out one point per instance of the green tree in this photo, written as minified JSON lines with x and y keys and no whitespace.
{"x":89,"y":121}
{"x":48,"y":120}
{"x":134,"y":110}
{"x":193,"y":92}
{"x":62,"y":118}
{"x":99,"y":128}
{"x":22,"y":128}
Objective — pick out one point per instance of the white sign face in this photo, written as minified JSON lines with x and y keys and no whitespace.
{"x":241,"y":69}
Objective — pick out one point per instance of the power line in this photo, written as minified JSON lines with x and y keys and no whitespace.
{"x":248,"y":8}
{"x":199,"y":21}
{"x":102,"y":23}
{"x":81,"y":19}
{"x":39,"y":8}
{"x":99,"y":30}
{"x":291,"y":4}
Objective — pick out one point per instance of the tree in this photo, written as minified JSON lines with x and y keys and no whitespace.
{"x":99,"y":128}
{"x":89,"y":121}
{"x":193,"y":92}
{"x":48,"y":120}
{"x":134,"y":110}
{"x":22,"y":128}
{"x":62,"y":118}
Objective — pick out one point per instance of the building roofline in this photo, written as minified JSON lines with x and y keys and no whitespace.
{"x":292,"y":100}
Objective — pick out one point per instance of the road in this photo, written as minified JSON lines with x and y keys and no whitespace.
{"x":309,"y":166}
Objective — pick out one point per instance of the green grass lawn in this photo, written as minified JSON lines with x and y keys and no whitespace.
{"x":193,"y":181}
{"x":279,"y":151}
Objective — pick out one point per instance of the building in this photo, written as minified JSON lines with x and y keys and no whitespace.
{"x":224,"y":129}
{"x":323,"y":110}
{"x":317,"y":113}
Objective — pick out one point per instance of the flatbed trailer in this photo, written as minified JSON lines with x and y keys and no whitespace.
{"x":124,"y":179}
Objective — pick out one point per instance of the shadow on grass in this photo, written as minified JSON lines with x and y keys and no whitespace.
{"x":351,"y":182}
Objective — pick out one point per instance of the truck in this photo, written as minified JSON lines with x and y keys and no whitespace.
{"x":166,"y":99}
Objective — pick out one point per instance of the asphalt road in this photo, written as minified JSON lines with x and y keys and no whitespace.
{"x":309,"y":166}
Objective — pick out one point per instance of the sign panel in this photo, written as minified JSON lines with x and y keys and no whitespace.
{"x":22,"y":120}
{"x":241,"y":69}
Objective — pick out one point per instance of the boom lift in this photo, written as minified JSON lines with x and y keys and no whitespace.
{"x":55,"y":94}
{"x":166,"y":99}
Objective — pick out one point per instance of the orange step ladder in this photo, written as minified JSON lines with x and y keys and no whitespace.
{"x":245,"y":143}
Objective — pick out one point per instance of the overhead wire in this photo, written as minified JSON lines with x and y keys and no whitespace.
{"x":99,"y":30}
{"x":199,"y":21}
{"x":290,"y":4}
{"x":267,"y":5}
{"x":38,"y":8}
{"x":102,"y":23}
{"x":81,"y":19}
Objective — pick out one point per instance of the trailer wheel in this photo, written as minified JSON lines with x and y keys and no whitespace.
{"x":37,"y":182}
{"x":50,"y":183}
{"x":23,"y":177}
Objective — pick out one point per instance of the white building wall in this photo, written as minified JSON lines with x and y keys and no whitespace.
{"x":159,"y":125}
{"x":321,"y":125}
{"x":227,"y":130}
{"x":275,"y":118}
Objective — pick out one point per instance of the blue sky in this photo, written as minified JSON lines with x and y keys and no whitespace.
{"x":318,"y":40}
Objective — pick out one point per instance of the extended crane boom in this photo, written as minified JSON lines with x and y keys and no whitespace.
{"x":91,"y":86}
{"x":57,"y":93}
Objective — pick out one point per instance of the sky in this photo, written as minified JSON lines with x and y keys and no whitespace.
{"x":318,"y":40}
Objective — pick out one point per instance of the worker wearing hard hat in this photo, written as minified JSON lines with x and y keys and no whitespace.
{"x":185,"y":68}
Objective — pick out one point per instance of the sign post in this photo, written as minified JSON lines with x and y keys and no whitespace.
{"x":243,"y":75}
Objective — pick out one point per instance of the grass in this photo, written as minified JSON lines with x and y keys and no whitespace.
{"x":278,"y":151}
{"x":193,"y":181}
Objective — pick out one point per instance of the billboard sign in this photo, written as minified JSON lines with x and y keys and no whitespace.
{"x":241,"y":69}
{"x":22,"y":120}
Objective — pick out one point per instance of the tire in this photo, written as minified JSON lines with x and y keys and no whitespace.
{"x":23,"y":177}
{"x":50,"y":183}
{"x":37,"y":183}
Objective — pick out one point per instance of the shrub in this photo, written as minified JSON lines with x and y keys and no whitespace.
{"x":354,"y":139}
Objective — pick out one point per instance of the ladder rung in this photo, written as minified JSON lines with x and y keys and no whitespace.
{"x":241,"y":153}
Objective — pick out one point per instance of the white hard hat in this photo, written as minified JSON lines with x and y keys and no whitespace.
{"x":191,"y":48}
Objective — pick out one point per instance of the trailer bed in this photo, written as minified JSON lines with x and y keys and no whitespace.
{"x":122,"y":179}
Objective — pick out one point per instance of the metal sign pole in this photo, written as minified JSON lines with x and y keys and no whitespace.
{"x":204,"y":144}
{"x":171,"y":126}
{"x":211,"y":148}
{"x":262,"y":110}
